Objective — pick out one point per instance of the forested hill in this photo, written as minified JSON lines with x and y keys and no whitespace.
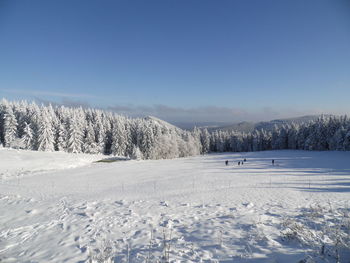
{"x":30,"y":126}
{"x":46,"y":128}
{"x":324,"y":133}
{"x":266,"y":125}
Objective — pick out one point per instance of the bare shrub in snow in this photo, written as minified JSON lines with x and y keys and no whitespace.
{"x":103,"y":254}
{"x":321,"y":228}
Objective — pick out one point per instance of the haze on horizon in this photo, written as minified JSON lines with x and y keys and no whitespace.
{"x":181,"y":61}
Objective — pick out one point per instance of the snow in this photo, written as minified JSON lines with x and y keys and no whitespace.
{"x":20,"y":163}
{"x":60,"y":207}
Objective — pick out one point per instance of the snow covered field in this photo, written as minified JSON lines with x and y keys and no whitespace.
{"x":59,"y":207}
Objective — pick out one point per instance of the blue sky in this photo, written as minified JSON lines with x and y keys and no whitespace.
{"x":235,"y":60}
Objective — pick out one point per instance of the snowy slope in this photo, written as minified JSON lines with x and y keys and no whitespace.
{"x":204,"y":210}
{"x":19,"y":163}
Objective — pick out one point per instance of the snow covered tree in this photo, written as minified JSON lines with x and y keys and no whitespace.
{"x":19,"y":110}
{"x":146,"y":140}
{"x":321,"y":140}
{"x":129,"y":144}
{"x":75,"y":136}
{"x":27,"y":138}
{"x":3,"y":106}
{"x":46,"y":134}
{"x":337,"y":142}
{"x":165,"y":147}
{"x":136,"y":153}
{"x":89,"y":144}
{"x":256,"y":142}
{"x":205,"y":140}
{"x":282,"y":140}
{"x":302,"y":135}
{"x":220,"y":142}
{"x":346,"y":144}
{"x":213,"y":141}
{"x":10,"y":127}
{"x":197,"y":136}
{"x":100,"y":132}
{"x":292,"y":137}
{"x":275,"y":138}
{"x":119,"y":140}
{"x":60,"y":137}
{"x":188,"y":145}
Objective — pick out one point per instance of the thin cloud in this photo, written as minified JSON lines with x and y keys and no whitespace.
{"x":64,"y":102}
{"x":47,"y":93}
{"x":209,"y":113}
{"x":195,"y":115}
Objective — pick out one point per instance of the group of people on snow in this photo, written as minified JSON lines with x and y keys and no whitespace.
{"x":239,"y":162}
{"x":244,"y":160}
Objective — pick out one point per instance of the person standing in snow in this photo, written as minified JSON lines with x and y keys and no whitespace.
{"x":245,"y":159}
{"x":226,"y":162}
{"x":239,"y":163}
{"x":273,"y":162}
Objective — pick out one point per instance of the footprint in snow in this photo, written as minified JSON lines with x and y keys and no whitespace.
{"x":119,"y":202}
{"x":137,"y":234}
{"x":83,"y":214}
{"x":164,"y":203}
{"x":248,"y":205}
{"x":33,"y":211}
{"x":167,"y":223}
{"x":82,"y":249}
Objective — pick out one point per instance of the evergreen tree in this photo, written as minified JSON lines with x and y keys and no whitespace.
{"x":146,"y":140}
{"x":60,"y":137}
{"x":75,"y":136}
{"x":119,"y":140}
{"x":136,"y":153}
{"x":27,"y":138}
{"x":100,"y":132}
{"x":205,"y":140}
{"x":165,"y":147}
{"x":89,"y":144}
{"x":346,"y":144}
{"x":10,"y":127}
{"x":45,"y":134}
{"x":292,"y":137}
{"x":337,"y":142}
{"x":129,"y":139}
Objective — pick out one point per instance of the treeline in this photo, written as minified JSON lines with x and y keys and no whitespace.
{"x":325,"y":133}
{"x":29,"y":126}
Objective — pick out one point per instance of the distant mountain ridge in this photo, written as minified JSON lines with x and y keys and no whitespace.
{"x":266,"y":125}
{"x":161,"y":122}
{"x":199,"y":124}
